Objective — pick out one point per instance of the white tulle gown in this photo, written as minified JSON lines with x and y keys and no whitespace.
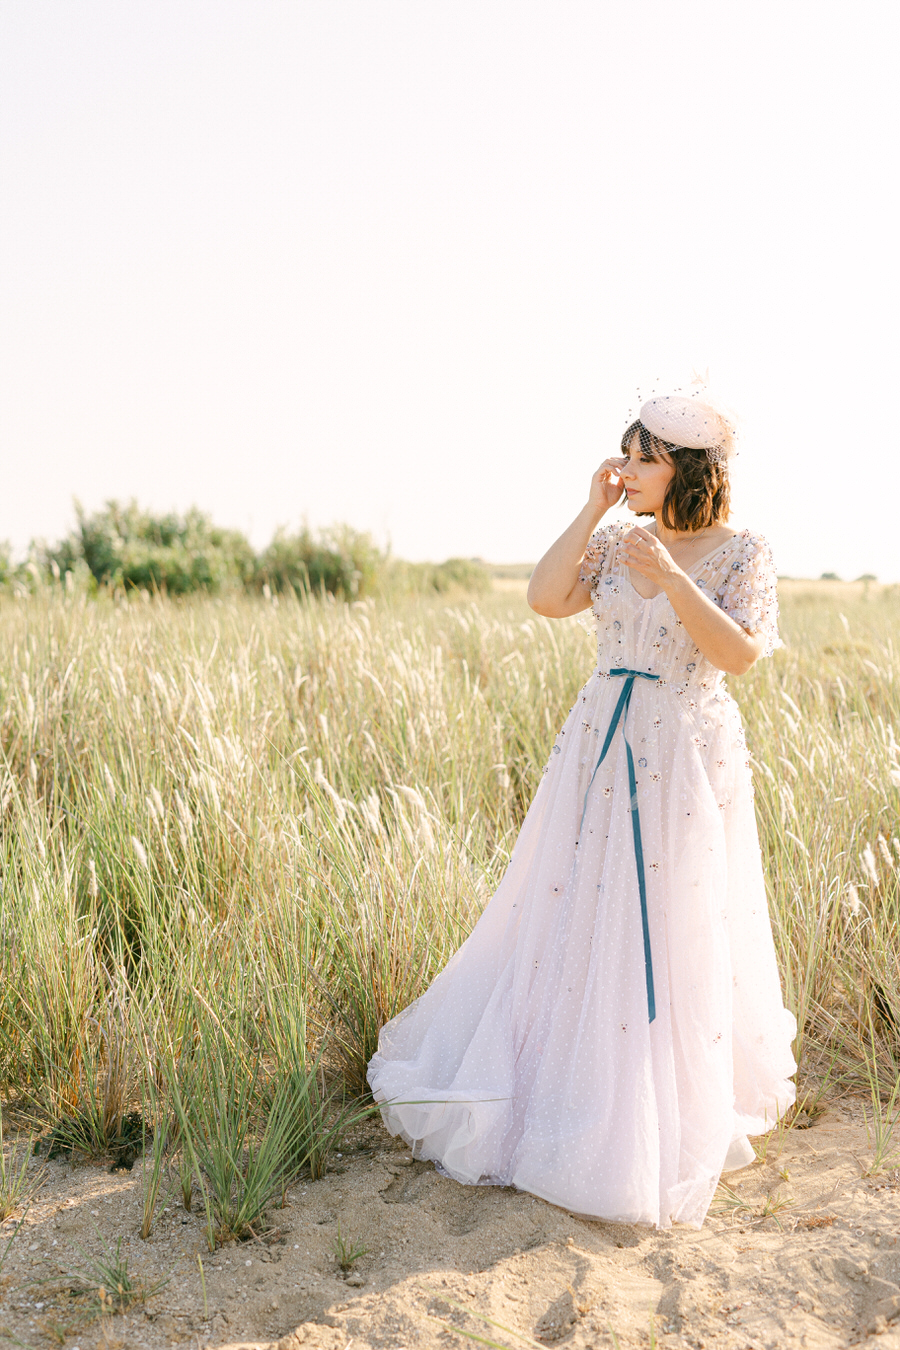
{"x":532,"y":1059}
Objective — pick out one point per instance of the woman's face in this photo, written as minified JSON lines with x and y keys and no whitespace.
{"x":645,"y":478}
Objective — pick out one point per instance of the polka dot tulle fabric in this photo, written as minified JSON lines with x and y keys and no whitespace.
{"x":531,"y":1060}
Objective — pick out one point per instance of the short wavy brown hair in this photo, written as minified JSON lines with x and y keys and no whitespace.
{"x":699,"y":494}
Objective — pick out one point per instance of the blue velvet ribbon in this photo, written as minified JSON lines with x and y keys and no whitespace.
{"x":620,"y":712}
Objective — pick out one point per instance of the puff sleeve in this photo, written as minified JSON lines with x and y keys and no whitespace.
{"x":750,"y":595}
{"x":595,"y":555}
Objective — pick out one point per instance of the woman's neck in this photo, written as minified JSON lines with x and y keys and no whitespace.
{"x":667,"y":536}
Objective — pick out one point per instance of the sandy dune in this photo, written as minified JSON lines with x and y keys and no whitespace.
{"x":822,"y":1270}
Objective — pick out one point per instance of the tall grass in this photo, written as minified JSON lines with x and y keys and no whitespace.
{"x":823,"y":721}
{"x":239,"y":834}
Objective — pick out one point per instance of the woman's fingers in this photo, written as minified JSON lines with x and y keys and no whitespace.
{"x":638,"y":532}
{"x":642,"y":550}
{"x":610,"y":468}
{"x":606,"y":485}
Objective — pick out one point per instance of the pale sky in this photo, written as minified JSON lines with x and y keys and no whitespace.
{"x":405,"y":264}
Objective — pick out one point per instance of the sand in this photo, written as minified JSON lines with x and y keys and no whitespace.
{"x":804,"y":1252}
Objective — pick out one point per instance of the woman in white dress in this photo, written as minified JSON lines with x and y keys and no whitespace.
{"x":613,"y":1029}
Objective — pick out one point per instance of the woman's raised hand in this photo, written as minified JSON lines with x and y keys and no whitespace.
{"x":606,"y":485}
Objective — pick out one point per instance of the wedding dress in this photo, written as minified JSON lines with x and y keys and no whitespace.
{"x":613,"y":1028}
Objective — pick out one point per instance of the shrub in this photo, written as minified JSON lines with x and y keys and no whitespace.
{"x":467,"y":574}
{"x":461,"y":574}
{"x":340,"y":560}
{"x":8,"y":570}
{"x":125,"y":546}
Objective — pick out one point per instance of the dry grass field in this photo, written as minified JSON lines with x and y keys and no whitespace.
{"x":240,"y":834}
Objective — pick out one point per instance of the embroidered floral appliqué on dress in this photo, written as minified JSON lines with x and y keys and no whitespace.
{"x":531,"y":1060}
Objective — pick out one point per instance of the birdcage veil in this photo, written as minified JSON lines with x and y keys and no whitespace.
{"x":692,"y":419}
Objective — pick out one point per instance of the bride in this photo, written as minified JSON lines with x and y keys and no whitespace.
{"x":612,"y":1030}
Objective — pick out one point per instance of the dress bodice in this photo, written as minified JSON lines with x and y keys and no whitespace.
{"x":646,"y":634}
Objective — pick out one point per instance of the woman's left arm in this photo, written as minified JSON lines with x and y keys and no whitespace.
{"x":721,"y":640}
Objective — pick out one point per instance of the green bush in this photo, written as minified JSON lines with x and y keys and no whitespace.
{"x":8,"y":570}
{"x":124,"y":546}
{"x":340,"y":560}
{"x":461,"y":574}
{"x":466,"y":574}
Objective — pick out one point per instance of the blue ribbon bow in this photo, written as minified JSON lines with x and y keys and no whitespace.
{"x":620,"y":713}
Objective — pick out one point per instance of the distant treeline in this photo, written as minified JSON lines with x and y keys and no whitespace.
{"x":124,"y":548}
